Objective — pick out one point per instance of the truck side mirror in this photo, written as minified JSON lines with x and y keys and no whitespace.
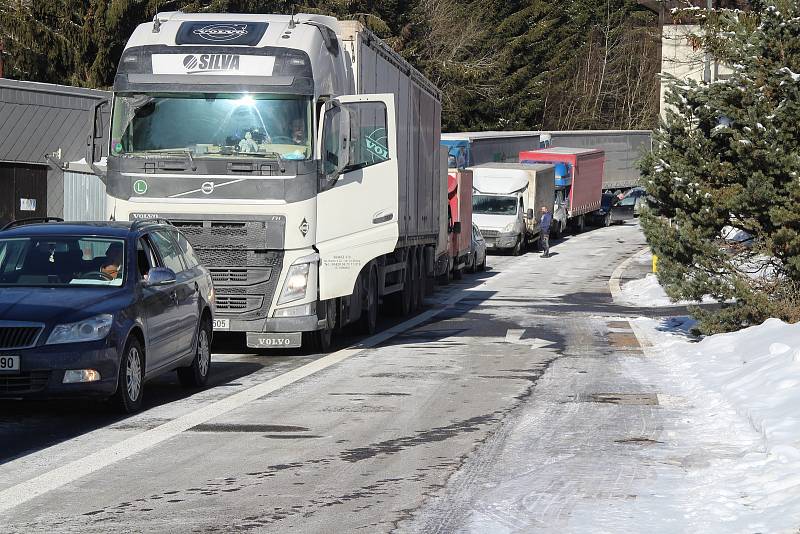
{"x":95,"y":137}
{"x":529,"y":214}
{"x":335,"y":140}
{"x":457,"y":227}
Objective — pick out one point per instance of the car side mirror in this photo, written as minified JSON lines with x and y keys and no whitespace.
{"x":457,"y":227}
{"x":529,"y":214}
{"x":160,"y":276}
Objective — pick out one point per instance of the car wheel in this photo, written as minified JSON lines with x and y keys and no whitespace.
{"x":369,"y":317}
{"x":483,"y":264}
{"x":607,"y":220}
{"x":196,"y":374}
{"x":130,"y":381}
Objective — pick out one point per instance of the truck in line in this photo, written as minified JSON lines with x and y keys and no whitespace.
{"x":578,"y":183}
{"x":506,"y":201}
{"x":298,"y":154}
{"x":468,"y":149}
{"x":623,"y":149}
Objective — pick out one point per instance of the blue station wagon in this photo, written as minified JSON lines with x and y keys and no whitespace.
{"x":97,"y":309}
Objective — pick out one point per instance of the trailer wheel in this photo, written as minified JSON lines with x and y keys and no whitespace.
{"x":422,"y":282}
{"x":369,"y":316}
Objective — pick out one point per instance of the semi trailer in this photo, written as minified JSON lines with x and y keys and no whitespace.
{"x":298,"y":154}
{"x":468,"y":149}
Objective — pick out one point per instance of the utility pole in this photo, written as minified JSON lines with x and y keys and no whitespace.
{"x":707,"y":70}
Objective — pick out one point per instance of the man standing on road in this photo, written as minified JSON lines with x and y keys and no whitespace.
{"x":544,"y":231}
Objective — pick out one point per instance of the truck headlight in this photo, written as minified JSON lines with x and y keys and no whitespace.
{"x":509,"y":227}
{"x":294,"y":288}
{"x":91,"y":329}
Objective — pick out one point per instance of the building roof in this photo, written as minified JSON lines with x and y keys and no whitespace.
{"x":40,"y":118}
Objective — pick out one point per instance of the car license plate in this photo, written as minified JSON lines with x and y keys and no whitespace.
{"x":9,"y":364}
{"x":258,"y":340}
{"x":222,"y":324}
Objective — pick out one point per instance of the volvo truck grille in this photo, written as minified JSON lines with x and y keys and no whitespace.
{"x":245,"y":270}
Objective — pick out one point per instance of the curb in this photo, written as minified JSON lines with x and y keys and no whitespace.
{"x":614,"y":282}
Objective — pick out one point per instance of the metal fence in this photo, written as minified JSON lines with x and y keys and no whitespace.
{"x":84,"y":197}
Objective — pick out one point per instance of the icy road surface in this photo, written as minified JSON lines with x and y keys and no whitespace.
{"x":519,"y":401}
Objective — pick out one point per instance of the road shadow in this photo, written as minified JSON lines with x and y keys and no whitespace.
{"x":30,"y":425}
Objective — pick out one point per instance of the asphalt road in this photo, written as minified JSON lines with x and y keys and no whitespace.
{"x":398,"y":432}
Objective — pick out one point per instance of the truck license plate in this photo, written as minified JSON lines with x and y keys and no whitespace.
{"x":9,"y":364}
{"x":259,"y":340}
{"x":222,"y":324}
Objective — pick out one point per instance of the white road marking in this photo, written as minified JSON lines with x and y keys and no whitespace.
{"x":514,"y":335}
{"x":60,"y":476}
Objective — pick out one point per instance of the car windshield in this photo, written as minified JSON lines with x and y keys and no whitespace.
{"x":212,"y":125}
{"x":494,"y":205}
{"x":628,"y":201}
{"x":57,"y":261}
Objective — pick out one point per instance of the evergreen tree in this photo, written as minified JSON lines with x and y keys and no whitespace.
{"x":727,"y":157}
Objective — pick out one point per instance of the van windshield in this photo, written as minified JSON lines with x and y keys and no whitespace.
{"x":495,"y":205}
{"x":52,"y":261}
{"x":212,"y":125}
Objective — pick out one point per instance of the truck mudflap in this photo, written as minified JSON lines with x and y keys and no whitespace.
{"x":267,"y":340}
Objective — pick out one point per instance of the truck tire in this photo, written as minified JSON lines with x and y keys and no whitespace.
{"x":369,"y":315}
{"x":399,"y":303}
{"x":322,"y":340}
{"x":422,"y":286}
{"x":415,"y":283}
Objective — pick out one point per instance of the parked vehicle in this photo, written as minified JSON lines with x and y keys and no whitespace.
{"x":467,"y":149}
{"x":506,"y":200}
{"x":477,"y":253}
{"x":299,"y":154}
{"x":640,"y":196}
{"x":602,"y":217}
{"x":578,"y":181}
{"x":97,"y":309}
{"x":624,"y":209}
{"x":459,"y":217}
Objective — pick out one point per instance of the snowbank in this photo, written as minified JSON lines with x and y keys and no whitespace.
{"x":645,"y":292}
{"x":749,"y":381}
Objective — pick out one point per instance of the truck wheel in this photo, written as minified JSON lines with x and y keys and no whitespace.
{"x":422,"y":286}
{"x":321,"y":340}
{"x":400,"y":302}
{"x":416,"y":281}
{"x":369,"y":317}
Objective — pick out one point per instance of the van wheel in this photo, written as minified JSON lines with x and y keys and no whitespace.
{"x":130,"y":381}
{"x":517,"y":248}
{"x":369,"y":317}
{"x":196,"y":374}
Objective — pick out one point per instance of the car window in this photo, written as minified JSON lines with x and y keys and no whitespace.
{"x":145,"y":257}
{"x":186,"y":249}
{"x":168,"y":250}
{"x":628,"y":201}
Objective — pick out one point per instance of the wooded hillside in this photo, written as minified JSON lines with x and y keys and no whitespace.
{"x":506,"y":65}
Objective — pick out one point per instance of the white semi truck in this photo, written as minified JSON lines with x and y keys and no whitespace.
{"x":506,"y":201}
{"x":300,"y":156}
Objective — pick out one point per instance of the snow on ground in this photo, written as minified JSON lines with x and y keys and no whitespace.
{"x":741,"y":393}
{"x":647,"y":292}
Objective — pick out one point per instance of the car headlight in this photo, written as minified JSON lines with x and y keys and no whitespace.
{"x":91,"y":329}
{"x":509,"y":227}
{"x":294,"y":288}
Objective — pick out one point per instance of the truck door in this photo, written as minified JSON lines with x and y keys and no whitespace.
{"x":357,"y":204}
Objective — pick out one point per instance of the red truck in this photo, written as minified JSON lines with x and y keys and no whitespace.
{"x":579,"y":182}
{"x":459,"y":218}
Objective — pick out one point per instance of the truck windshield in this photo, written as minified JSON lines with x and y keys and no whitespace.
{"x":212,"y":125}
{"x":494,"y":205}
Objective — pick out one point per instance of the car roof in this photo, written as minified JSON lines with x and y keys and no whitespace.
{"x":120,"y":229}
